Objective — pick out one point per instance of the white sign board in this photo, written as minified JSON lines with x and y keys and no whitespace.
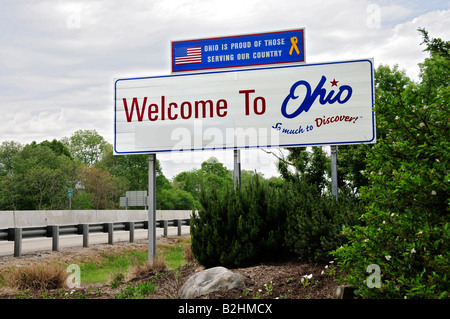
{"x":134,"y":198}
{"x":301,"y":105}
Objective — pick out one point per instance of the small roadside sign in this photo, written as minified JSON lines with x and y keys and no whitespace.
{"x":70,"y":193}
{"x":237,"y":51}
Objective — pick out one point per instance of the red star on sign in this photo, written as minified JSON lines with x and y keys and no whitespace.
{"x":334,"y":83}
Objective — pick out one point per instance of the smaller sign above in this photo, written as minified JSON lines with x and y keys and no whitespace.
{"x":237,"y":51}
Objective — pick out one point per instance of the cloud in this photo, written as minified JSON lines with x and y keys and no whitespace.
{"x":59,"y":58}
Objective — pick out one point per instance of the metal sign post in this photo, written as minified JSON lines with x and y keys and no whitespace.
{"x":70,"y":195}
{"x":237,"y":168}
{"x":334,"y":183}
{"x":151,"y":208}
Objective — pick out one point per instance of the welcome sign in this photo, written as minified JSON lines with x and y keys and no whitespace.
{"x":301,"y":105}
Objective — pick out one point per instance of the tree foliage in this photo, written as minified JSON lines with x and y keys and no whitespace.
{"x":34,"y":176}
{"x":38,"y":175}
{"x":406,"y":230}
{"x":86,"y":146}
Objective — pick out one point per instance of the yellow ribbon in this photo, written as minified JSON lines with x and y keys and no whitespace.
{"x":294,"y":41}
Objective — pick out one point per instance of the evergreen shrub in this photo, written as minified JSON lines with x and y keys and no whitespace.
{"x":261,"y":222}
{"x":315,"y":221}
{"x":240,"y":227}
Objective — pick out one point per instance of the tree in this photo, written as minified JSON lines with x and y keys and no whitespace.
{"x":212,"y":174}
{"x":86,"y":146}
{"x":104,"y":189}
{"x":57,"y":147}
{"x":309,"y":166}
{"x":9,"y":187}
{"x":406,"y":225}
{"x":132,"y":167}
{"x":37,"y":178}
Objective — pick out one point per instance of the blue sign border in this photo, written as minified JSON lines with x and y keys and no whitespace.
{"x":239,"y":51}
{"x":367,"y":141}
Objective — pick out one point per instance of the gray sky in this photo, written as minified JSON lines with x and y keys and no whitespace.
{"x":58,"y":58}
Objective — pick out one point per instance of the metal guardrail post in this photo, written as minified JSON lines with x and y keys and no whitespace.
{"x":17,"y":242}
{"x":110,"y":228}
{"x":55,"y":238}
{"x":166,"y":224}
{"x":85,"y":232}
{"x":179,"y":226}
{"x":130,"y":226}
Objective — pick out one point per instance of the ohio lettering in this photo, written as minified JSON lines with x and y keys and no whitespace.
{"x":343,"y":95}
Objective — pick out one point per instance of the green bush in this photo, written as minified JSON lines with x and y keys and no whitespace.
{"x":315,"y":221}
{"x":237,"y":228}
{"x":406,"y":232}
{"x":261,"y":222}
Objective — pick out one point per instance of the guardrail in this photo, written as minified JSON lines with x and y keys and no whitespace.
{"x":16,"y":234}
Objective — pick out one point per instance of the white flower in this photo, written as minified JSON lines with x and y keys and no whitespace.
{"x":425,"y":107}
{"x":322,"y":272}
{"x":422,"y":124}
{"x":396,"y":118}
{"x":433,"y":193}
{"x":307,"y":277}
{"x":392,"y":215}
{"x":331,"y":261}
{"x":413,"y":251}
{"x":388,"y":257}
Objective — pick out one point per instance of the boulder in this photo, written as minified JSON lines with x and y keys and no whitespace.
{"x":209,"y":280}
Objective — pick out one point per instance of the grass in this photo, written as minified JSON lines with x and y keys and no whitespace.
{"x":138,"y":291}
{"x":111,"y":267}
{"x":37,"y":277}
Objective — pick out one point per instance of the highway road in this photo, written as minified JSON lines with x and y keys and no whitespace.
{"x":33,"y":245}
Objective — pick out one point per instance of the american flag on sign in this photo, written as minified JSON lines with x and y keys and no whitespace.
{"x":188,"y":55}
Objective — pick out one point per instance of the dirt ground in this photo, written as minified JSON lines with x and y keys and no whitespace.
{"x":266,"y":281}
